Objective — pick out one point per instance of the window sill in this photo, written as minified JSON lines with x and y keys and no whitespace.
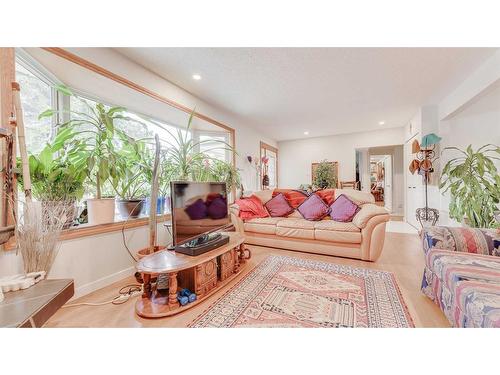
{"x":86,"y":230}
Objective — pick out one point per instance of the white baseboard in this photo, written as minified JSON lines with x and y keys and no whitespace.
{"x":102,"y":282}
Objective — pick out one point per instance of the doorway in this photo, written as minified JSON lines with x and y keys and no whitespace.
{"x":381,"y":180}
{"x":270,"y":168}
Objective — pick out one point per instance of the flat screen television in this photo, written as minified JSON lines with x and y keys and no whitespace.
{"x":198,"y":209}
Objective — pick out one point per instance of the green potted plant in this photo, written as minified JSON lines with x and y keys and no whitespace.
{"x":474,"y":185}
{"x":58,"y":173}
{"x":324,"y":178}
{"x":96,"y":130}
{"x":131,"y":182}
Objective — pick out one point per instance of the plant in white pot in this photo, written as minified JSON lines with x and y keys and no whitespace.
{"x":101,"y":140}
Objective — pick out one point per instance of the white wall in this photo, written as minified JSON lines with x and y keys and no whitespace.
{"x":296,"y":156}
{"x":96,"y":261}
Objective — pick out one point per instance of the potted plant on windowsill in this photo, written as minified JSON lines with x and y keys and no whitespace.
{"x":474,"y":185}
{"x":132,"y":180}
{"x":58,"y":174}
{"x":101,"y":140}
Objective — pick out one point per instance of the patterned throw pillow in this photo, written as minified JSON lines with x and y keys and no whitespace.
{"x":313,"y":208}
{"x":278,"y":206}
{"x":343,"y":209}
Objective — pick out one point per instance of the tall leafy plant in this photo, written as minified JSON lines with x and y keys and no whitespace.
{"x":474,"y":185}
{"x":324,"y":177}
{"x":95,"y":130}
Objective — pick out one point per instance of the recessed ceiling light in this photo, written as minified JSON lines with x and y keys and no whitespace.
{"x":306,"y":133}
{"x":197,"y":77}
{"x":381,"y":122}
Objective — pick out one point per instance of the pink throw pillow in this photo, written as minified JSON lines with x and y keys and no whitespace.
{"x":313,"y":208}
{"x":278,"y":206}
{"x":343,"y":209}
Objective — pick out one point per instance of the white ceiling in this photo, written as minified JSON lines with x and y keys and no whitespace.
{"x":283,"y":92}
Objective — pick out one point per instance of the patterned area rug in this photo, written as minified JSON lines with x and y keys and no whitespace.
{"x":293,"y":292}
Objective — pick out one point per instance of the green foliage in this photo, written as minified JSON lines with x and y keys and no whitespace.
{"x":102,"y":142}
{"x":474,"y":185}
{"x":55,"y":174}
{"x":324,"y":176}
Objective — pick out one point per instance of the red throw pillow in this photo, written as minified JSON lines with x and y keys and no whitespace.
{"x":294,"y":197}
{"x":328,"y":195}
{"x":251,"y":208}
{"x":278,"y":206}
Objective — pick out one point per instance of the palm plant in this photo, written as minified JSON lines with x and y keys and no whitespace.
{"x":474,"y":185}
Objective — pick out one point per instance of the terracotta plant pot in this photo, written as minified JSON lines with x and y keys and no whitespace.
{"x":130,"y":208}
{"x":101,"y":211}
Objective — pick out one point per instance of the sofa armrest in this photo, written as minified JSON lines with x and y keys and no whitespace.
{"x":373,"y":237}
{"x":234,"y":211}
{"x":368,"y":211}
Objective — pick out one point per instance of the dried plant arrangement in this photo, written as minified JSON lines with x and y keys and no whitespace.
{"x":38,"y":229}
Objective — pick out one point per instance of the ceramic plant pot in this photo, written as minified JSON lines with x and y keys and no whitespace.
{"x":101,"y":211}
{"x":130,"y":208}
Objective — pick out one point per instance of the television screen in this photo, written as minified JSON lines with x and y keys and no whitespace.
{"x":198,"y":208}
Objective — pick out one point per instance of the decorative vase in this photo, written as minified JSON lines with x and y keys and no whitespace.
{"x":101,"y":211}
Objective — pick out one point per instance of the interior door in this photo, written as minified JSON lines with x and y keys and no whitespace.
{"x":388,"y":183}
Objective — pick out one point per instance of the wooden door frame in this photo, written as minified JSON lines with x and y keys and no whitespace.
{"x":265,"y":146}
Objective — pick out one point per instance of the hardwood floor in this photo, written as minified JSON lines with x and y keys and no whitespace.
{"x":402,"y":255}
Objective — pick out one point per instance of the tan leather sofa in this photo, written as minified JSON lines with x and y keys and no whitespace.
{"x":363,"y":238}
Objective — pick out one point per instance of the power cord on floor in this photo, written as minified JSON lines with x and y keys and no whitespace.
{"x":124,"y":294}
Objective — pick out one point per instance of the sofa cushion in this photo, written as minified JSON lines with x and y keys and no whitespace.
{"x":337,"y":236}
{"x":367,"y":211}
{"x":295,"y":232}
{"x":343,"y":209}
{"x":295,"y":223}
{"x":333,"y":225}
{"x":265,"y":225}
{"x":278,"y":206}
{"x":313,"y":208}
{"x":265,"y":220}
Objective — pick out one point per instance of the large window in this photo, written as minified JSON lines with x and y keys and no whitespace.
{"x":39,"y":93}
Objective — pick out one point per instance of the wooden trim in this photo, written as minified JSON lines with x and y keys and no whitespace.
{"x":92,"y":230}
{"x":265,"y":146}
{"x":7,"y":76}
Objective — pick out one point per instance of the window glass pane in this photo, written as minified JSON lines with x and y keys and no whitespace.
{"x":36,"y":97}
{"x":214,"y":146}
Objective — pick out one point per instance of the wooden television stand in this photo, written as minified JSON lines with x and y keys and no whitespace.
{"x":203,"y":274}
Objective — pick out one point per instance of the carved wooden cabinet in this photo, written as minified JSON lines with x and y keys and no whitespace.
{"x":227,"y":263}
{"x":205,"y":277}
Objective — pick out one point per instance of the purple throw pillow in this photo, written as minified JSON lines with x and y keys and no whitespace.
{"x":197,"y":210}
{"x":313,"y":208}
{"x":217,"y":209}
{"x":278,"y":206}
{"x":343,"y":209}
